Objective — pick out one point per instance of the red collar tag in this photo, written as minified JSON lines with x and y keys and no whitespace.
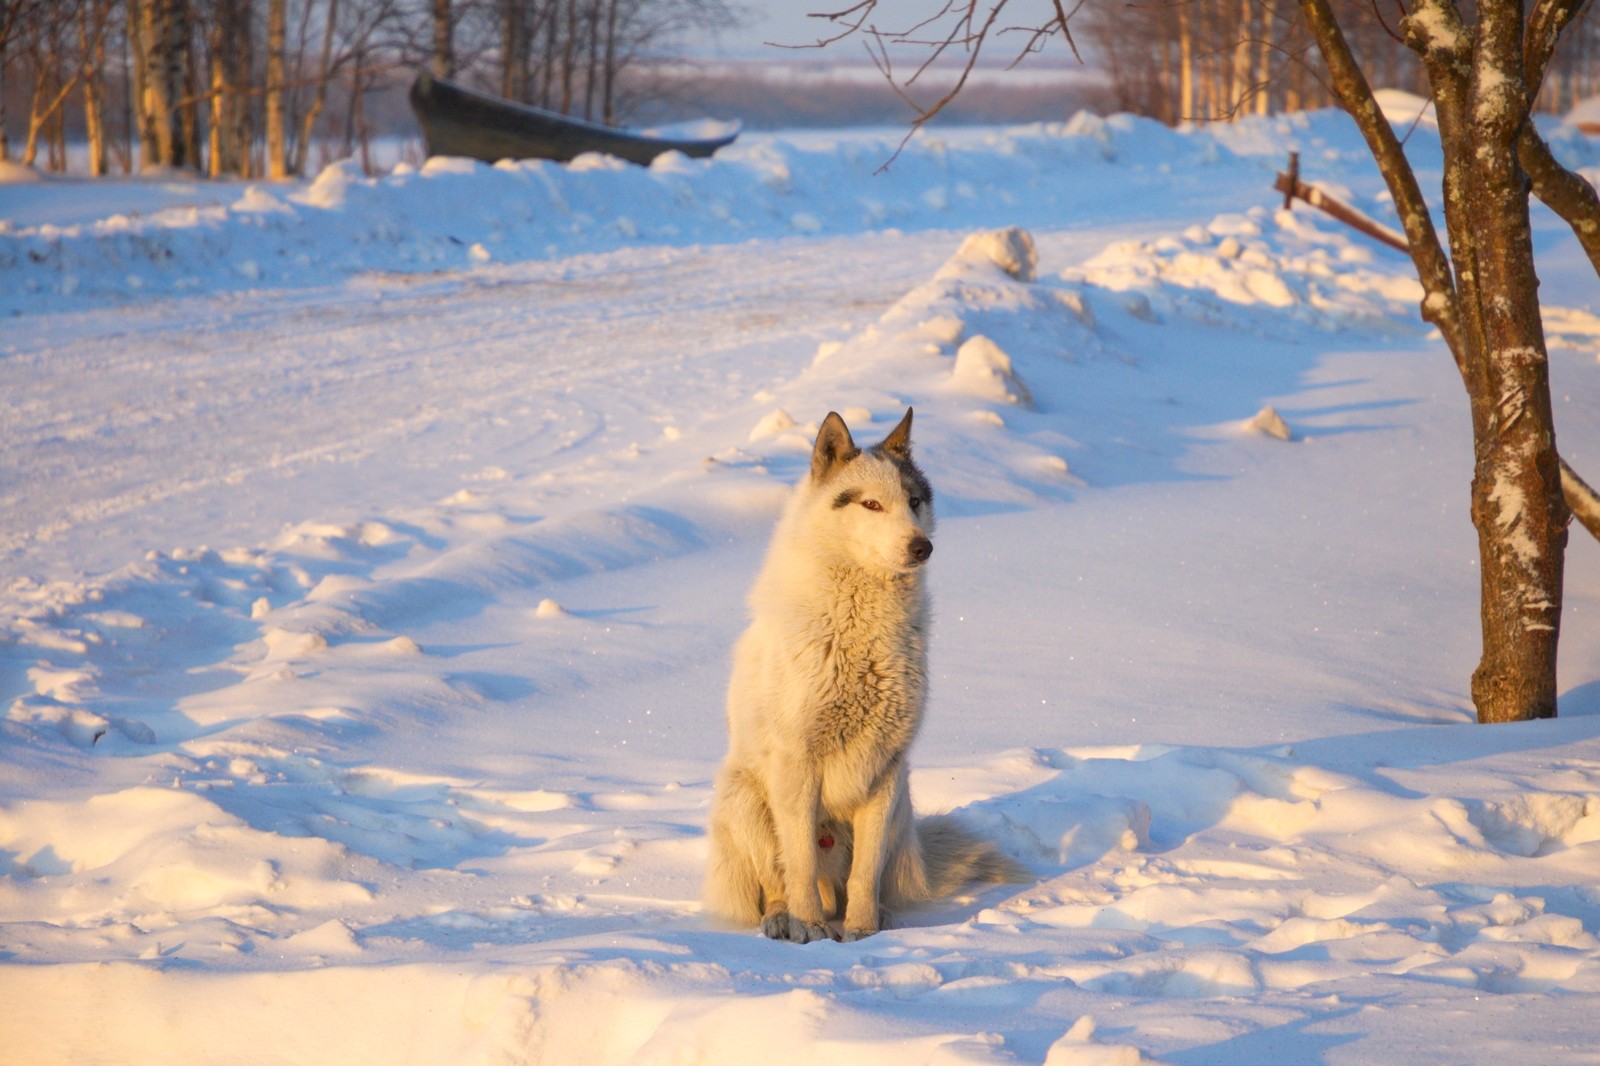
{"x":825,"y":842}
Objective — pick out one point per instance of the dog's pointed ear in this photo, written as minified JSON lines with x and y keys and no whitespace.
{"x":834,"y":447}
{"x":898,"y":442}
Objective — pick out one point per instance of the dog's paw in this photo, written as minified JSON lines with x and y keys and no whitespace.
{"x":776,"y":926}
{"x":863,"y":926}
{"x":785,"y":926}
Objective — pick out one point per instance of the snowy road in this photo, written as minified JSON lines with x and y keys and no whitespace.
{"x":216,"y":420}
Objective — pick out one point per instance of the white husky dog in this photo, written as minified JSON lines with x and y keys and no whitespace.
{"x":813,"y":819}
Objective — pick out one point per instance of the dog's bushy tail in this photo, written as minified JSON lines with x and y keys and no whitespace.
{"x":952,"y":856}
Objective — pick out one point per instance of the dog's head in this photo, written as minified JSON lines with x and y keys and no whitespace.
{"x":881,"y":504}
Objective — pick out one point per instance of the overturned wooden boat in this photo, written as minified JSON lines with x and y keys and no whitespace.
{"x":456,"y":120}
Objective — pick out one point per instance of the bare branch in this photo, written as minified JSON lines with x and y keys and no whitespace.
{"x":1582,"y":501}
{"x":1355,"y":95}
{"x":1563,"y":191}
{"x":1546,"y":22}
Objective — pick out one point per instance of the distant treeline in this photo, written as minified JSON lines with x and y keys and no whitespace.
{"x":1178,"y":60}
{"x":271,"y":87}
{"x":245,"y":87}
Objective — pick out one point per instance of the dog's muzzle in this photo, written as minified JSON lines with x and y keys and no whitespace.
{"x":919,"y":549}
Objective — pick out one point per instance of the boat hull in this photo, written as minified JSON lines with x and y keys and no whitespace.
{"x":458,"y":121}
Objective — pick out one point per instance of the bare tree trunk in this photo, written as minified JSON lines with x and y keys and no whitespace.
{"x":358,"y":106}
{"x":1186,"y":60}
{"x":164,"y":39}
{"x":189,"y":94}
{"x":5,"y":137}
{"x":569,"y":59}
{"x":92,"y":32}
{"x":54,"y":78}
{"x":140,"y":127}
{"x":513,"y":50}
{"x":308,"y":121}
{"x":444,"y":57}
{"x":277,"y":132}
{"x":1263,"y":68}
{"x":1487,"y":310}
{"x":608,"y":100}
{"x":591,"y":75}
{"x":230,"y":40}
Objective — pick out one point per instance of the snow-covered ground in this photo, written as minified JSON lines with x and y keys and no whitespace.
{"x":373,"y":550}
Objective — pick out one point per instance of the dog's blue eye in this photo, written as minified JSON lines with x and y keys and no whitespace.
{"x":872,"y":505}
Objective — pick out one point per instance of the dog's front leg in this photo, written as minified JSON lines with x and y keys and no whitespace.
{"x":794,"y":812}
{"x":871,"y":829}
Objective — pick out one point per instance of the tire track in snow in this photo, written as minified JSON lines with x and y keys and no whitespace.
{"x":264,"y":398}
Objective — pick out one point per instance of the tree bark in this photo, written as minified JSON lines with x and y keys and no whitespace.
{"x":277,"y":131}
{"x":5,"y":137}
{"x":444,"y":53}
{"x":164,"y":63}
{"x":92,"y":32}
{"x":514,"y":50}
{"x":1186,"y":93}
{"x":231,"y":37}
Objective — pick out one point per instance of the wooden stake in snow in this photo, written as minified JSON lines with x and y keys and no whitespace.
{"x":1294,"y":189}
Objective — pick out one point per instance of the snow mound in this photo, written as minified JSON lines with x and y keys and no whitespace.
{"x":984,"y":369}
{"x":1011,"y":249}
{"x":1270,"y":423}
{"x":1284,"y":263}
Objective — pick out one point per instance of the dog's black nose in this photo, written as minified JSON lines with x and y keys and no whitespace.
{"x":921,"y":548}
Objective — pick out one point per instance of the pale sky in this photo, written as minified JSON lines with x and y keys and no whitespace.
{"x":779,"y":21}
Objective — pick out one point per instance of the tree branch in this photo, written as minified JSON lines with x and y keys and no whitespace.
{"x":1422,"y":239}
{"x":1582,"y":501}
{"x":1563,"y":191}
{"x":1546,"y":22}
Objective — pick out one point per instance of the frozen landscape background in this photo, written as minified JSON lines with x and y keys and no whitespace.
{"x":373,"y":550}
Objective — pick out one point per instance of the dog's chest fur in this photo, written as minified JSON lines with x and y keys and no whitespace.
{"x":870,"y":637}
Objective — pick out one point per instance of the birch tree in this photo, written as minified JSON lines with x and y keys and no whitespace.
{"x":160,"y":29}
{"x":229,"y":41}
{"x":277,"y":70}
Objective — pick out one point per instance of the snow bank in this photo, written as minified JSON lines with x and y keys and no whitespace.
{"x":455,"y":214}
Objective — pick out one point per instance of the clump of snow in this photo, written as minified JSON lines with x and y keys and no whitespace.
{"x":1078,"y":1047}
{"x":775,"y":422}
{"x":1011,"y":249}
{"x":984,"y":369}
{"x":1269,"y":422}
{"x":257,"y":200}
